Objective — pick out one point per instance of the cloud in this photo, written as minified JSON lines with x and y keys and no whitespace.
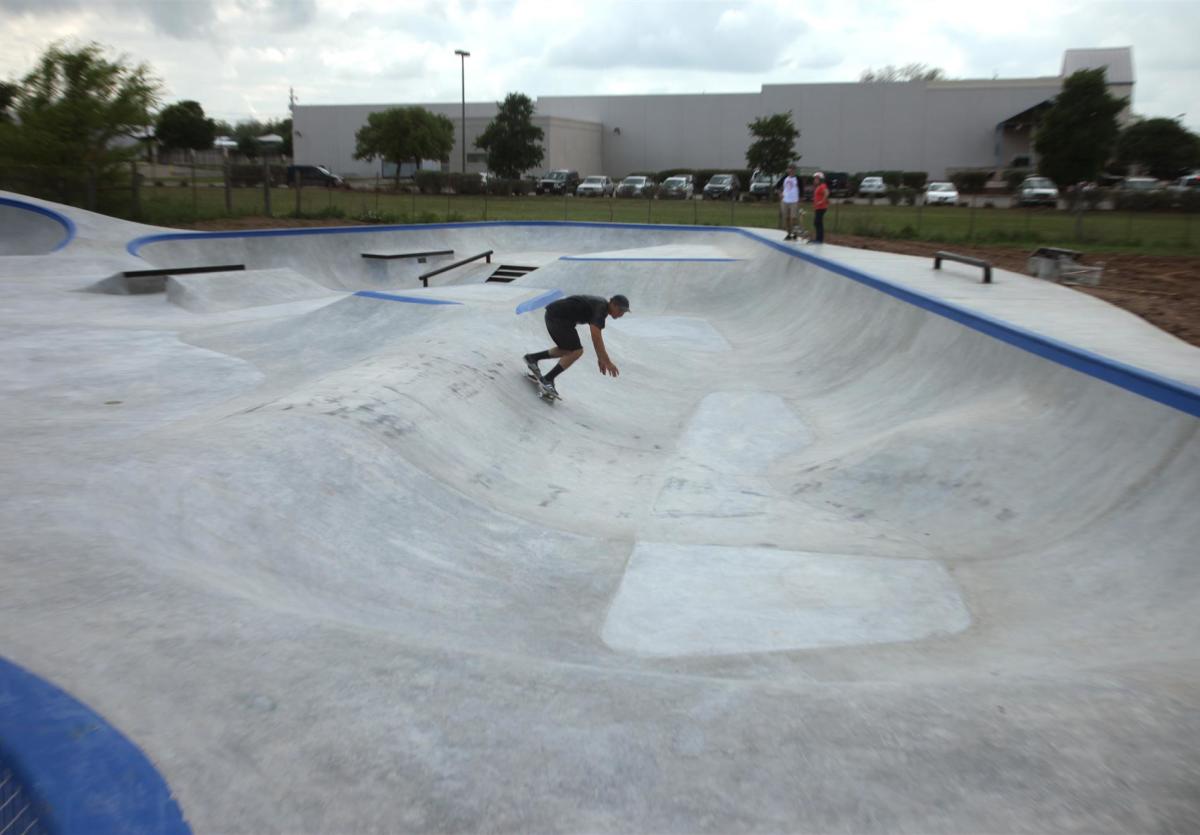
{"x":749,"y":38}
{"x":187,"y":20}
{"x":238,"y":57}
{"x":39,"y":6}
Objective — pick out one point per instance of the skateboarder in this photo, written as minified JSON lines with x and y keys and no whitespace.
{"x":562,"y":317}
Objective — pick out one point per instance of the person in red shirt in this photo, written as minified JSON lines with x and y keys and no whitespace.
{"x":820,"y":206}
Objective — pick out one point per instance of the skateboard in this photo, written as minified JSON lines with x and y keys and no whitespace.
{"x":542,"y":391}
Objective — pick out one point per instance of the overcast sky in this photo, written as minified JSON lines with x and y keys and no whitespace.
{"x":238,"y":58}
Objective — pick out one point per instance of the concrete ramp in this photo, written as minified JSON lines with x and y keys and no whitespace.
{"x":217,"y":292}
{"x":847,"y":546}
{"x":29,"y":228}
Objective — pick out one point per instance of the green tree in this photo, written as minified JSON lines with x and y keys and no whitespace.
{"x":8,"y":98}
{"x":76,"y":103}
{"x":511,"y":139}
{"x":184,"y":125}
{"x":402,"y":134}
{"x":1164,"y":147}
{"x":774,"y":145}
{"x":1076,"y":136}
{"x":908,"y":72}
{"x":246,"y":133}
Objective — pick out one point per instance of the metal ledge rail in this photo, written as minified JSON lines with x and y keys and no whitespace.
{"x":426,"y":276}
{"x":420,"y":256}
{"x":941,"y":256}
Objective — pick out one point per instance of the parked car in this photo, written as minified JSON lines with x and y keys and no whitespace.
{"x":679,"y":187}
{"x":1142,"y":185}
{"x":595,"y":185}
{"x":722,"y":187}
{"x":838,"y":183}
{"x":314,"y":175}
{"x":1188,"y":183}
{"x":558,"y":181}
{"x":872,"y":187}
{"x":762,"y":185}
{"x":941,"y":194}
{"x":635,"y":185}
{"x":1036,"y":191}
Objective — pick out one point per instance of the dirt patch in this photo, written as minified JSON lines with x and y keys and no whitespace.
{"x":1162,"y":289}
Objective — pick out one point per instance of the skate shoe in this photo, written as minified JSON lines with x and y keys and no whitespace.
{"x":532,"y":365}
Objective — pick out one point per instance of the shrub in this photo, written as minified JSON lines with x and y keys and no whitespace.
{"x":466,"y":183}
{"x":970,"y":182}
{"x":914,"y":179}
{"x":429,"y":182}
{"x":1014,"y":176}
{"x":373,"y":216}
{"x":1142,"y":201}
{"x":893,"y":196}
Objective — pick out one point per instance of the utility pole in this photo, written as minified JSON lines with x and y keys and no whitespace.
{"x":463,"y":56}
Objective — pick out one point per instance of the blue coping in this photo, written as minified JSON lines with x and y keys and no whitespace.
{"x":372,"y":294}
{"x":1160,"y":389}
{"x":539,"y":301}
{"x":81,"y":773}
{"x":135,"y":245}
{"x":67,"y":224}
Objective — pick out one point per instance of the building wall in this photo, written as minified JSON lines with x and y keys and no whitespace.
{"x":936,"y":127}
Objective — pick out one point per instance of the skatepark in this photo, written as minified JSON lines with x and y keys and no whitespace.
{"x":850,"y":545}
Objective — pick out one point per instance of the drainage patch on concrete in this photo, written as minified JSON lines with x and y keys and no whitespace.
{"x":677,"y":600}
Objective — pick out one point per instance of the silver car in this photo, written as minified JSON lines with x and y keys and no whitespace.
{"x":1036,"y":191}
{"x":596,"y":185}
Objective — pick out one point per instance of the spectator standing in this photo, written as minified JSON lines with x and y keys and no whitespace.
{"x":789,"y":206}
{"x":820,"y":206}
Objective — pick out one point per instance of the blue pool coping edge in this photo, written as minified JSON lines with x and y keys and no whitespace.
{"x":67,"y":224}
{"x":82,"y":774}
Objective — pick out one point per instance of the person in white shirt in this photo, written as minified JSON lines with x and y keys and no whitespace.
{"x":789,"y":206}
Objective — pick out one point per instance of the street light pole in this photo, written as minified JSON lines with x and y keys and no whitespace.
{"x":463,"y":56}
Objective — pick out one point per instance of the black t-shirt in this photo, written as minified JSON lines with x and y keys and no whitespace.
{"x":580,"y":310}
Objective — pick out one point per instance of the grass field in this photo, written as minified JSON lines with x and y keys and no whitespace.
{"x":1146,"y":232}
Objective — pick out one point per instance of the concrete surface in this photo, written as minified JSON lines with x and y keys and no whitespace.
{"x":824,"y":557}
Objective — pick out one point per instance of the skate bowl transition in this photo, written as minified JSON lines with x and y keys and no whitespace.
{"x":851,"y":544}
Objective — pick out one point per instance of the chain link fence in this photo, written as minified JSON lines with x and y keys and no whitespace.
{"x":186,"y":194}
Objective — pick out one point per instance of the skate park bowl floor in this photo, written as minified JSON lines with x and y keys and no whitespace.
{"x":850,"y":545}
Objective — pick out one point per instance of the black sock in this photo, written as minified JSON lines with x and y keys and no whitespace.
{"x":539,"y":356}
{"x":558,"y":369}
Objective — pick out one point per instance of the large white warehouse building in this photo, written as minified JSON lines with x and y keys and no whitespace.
{"x":932,"y":126}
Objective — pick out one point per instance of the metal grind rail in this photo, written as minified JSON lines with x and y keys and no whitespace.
{"x":426,"y":276}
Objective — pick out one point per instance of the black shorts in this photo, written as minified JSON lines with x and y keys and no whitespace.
{"x":563,"y":332}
